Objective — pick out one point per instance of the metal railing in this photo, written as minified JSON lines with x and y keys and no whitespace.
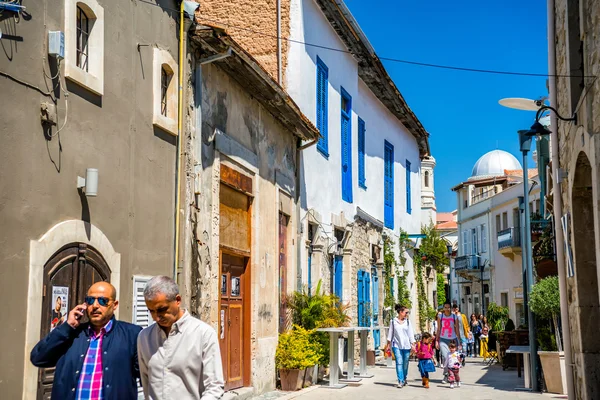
{"x":466,"y":262}
{"x":510,"y":237}
{"x":484,"y":195}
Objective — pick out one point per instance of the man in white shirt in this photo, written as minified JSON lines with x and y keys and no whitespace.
{"x":179,"y":356}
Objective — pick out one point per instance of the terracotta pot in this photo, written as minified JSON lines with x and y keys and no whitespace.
{"x":553,"y":365}
{"x":370,"y":358}
{"x":291,"y":379}
{"x":546,"y":268}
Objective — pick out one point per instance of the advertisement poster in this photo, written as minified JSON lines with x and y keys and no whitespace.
{"x":235,"y":286}
{"x":60,"y":306}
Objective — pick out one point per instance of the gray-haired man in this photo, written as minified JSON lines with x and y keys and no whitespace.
{"x":179,"y":356}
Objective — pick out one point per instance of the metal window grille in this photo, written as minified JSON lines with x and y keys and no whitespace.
{"x":164,"y":85}
{"x":83,"y":35}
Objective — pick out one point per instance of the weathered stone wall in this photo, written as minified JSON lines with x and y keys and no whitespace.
{"x":576,"y":140}
{"x":253,"y":24}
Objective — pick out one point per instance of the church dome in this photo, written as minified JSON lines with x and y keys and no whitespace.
{"x":494,"y":163}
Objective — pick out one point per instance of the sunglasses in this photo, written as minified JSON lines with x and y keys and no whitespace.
{"x":103,"y":301}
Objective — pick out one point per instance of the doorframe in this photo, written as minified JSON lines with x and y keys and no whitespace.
{"x":40,"y":251}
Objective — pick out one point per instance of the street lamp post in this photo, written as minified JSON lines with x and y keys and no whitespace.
{"x":525,"y":143}
{"x":449,"y":248}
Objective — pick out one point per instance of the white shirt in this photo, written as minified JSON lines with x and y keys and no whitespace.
{"x":185,"y":365}
{"x":401,"y":334}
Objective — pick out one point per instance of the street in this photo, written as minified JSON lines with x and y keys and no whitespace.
{"x":479,"y":382}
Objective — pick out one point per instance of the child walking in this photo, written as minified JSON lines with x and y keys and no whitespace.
{"x":425,"y":354}
{"x":453,"y":363}
{"x":471,"y":345}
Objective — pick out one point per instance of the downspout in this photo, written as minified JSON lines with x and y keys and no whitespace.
{"x":557,"y":204}
{"x":279,"y":71}
{"x":299,"y":228}
{"x":179,"y":133}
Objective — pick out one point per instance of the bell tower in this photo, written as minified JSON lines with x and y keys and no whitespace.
{"x":428,"y":209}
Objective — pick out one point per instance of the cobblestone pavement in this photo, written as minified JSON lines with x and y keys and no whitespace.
{"x":479,"y":382}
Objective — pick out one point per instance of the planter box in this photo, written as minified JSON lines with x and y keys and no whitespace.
{"x":291,"y":379}
{"x":553,"y":365}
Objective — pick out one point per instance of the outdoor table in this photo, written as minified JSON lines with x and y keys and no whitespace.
{"x":350,"y":348}
{"x":334,"y":366}
{"x":362,"y":332}
{"x":526,"y":351}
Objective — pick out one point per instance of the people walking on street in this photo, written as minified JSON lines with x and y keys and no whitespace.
{"x":179,"y":355}
{"x":448,"y":331}
{"x":453,"y":364}
{"x":93,"y":360}
{"x":485,"y":329}
{"x":425,"y":354}
{"x":464,"y":327}
{"x":476,"y":329}
{"x":401,"y":339}
{"x":470,"y":344}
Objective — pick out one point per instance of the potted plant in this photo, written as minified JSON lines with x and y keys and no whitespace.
{"x":295,"y":353}
{"x":544,"y":302}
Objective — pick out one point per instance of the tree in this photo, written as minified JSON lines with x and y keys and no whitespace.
{"x":441,"y":289}
{"x":433,"y":248}
{"x":544,"y":301}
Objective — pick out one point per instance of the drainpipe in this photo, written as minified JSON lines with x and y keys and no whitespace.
{"x":557,"y":206}
{"x":279,"y":71}
{"x":179,"y":133}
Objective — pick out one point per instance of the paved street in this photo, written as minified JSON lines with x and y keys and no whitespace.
{"x":479,"y":383}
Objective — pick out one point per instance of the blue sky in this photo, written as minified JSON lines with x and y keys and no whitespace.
{"x":460,"y":109}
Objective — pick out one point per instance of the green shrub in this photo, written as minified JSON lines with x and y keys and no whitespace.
{"x":544,"y":300}
{"x":497,"y":316}
{"x":295,"y":350}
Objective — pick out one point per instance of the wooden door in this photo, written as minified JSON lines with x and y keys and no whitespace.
{"x":67,"y":276}
{"x":231,"y":321}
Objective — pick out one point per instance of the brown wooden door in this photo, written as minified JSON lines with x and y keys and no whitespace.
{"x":231,"y":321}
{"x":67,"y":275}
{"x":283,"y":224}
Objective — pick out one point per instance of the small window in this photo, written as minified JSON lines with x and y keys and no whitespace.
{"x":504,"y":299}
{"x":504,"y":220}
{"x":164,"y":85}
{"x":498,"y":223}
{"x":426,"y":179}
{"x":83,"y":35}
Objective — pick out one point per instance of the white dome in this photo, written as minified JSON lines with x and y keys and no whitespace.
{"x":494,"y":163}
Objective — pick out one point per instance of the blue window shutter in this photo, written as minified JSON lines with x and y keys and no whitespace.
{"x":361,"y":154}
{"x":361,"y":297}
{"x":338,"y":271}
{"x":368,"y":305}
{"x":346,"y":135}
{"x":322,"y":109}
{"x":309,"y":267}
{"x":388,"y":185}
{"x":408,"y":197}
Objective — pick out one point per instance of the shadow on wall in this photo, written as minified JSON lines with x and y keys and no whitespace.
{"x":167,"y":137}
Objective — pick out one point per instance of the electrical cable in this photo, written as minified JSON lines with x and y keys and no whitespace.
{"x":389,"y":59}
{"x":27,"y":84}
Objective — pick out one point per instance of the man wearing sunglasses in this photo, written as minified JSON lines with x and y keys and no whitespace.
{"x":95,"y":359}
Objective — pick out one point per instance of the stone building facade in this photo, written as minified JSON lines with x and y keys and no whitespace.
{"x":578,"y":89}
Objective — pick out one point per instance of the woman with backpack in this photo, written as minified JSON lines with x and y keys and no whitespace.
{"x":401,"y":340}
{"x":476,"y":329}
{"x":448,"y":331}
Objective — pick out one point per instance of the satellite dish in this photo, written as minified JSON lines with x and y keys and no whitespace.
{"x":521,"y":104}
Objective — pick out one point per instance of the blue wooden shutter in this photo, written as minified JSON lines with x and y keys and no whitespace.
{"x":361,"y":154}
{"x":338,"y":270}
{"x":388,"y":186}
{"x":368,"y":305}
{"x":408,"y":196}
{"x":361,"y":297}
{"x":309,"y":267}
{"x":322,"y":109}
{"x":346,"y":134}
{"x":376,"y":333}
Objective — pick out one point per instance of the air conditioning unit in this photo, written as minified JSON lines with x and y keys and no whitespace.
{"x":56,"y":44}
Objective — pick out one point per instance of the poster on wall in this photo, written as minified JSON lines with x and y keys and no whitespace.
{"x":60,"y":306}
{"x":235,"y":286}
{"x":222,"y":324}
{"x":224,"y":284}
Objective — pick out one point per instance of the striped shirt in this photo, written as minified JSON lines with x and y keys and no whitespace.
{"x":90,"y":381}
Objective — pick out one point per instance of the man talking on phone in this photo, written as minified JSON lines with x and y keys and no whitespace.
{"x":96,"y":359}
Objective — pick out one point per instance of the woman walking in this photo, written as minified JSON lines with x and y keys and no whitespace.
{"x":401,"y":339}
{"x":448,"y":331}
{"x":476,"y":329}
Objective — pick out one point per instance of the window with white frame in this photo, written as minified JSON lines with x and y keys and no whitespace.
{"x":165,"y":98}
{"x":84,"y":44}
{"x":474,"y":238}
{"x":465,"y":243}
{"x":483,"y":238}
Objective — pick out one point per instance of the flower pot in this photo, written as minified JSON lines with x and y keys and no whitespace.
{"x":291,"y":379}
{"x":311,"y":376}
{"x":546,"y":268}
{"x":370,"y":358}
{"x":553,"y":365}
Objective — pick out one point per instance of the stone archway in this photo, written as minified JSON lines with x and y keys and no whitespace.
{"x":584,"y":304}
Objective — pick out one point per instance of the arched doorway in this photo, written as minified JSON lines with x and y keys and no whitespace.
{"x":583,"y":287}
{"x":67,"y":276}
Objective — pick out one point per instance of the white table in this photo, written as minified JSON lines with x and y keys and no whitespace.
{"x":526,"y":351}
{"x":334,"y":367}
{"x":363,"y":332}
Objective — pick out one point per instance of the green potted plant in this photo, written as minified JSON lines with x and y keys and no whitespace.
{"x":497,"y":319}
{"x":544,"y":302}
{"x":295,"y":353}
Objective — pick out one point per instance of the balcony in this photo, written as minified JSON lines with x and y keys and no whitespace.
{"x":466,"y":262}
{"x":509,"y":242}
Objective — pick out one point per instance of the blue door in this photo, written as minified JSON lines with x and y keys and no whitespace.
{"x":337,"y":277}
{"x":309,"y":273}
{"x":361,"y":297}
{"x":388,"y":185}
{"x":376,"y":333}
